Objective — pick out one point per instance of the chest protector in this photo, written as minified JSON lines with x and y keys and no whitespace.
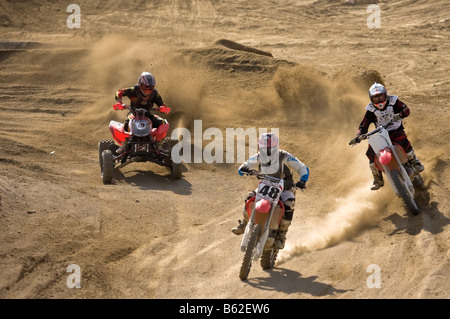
{"x":279,"y":170}
{"x":386,"y":115}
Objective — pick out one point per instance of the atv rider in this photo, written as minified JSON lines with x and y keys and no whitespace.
{"x":382,"y":109}
{"x":142,"y":95}
{"x":278,"y":163}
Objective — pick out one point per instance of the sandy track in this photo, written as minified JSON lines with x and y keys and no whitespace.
{"x":147,"y":236}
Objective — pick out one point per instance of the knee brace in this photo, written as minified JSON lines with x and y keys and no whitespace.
{"x":289,"y":206}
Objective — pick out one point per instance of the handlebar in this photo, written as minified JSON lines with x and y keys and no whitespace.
{"x":362,"y":137}
{"x":271,"y":178}
{"x":121,"y":106}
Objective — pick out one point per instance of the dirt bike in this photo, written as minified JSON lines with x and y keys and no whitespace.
{"x":391,"y":159}
{"x":145,"y":143}
{"x":265,"y":211}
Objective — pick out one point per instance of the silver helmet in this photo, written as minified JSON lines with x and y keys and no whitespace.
{"x":378,"y":95}
{"x":146,"y":83}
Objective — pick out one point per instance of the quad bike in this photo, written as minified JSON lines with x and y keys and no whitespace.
{"x":145,"y":143}
{"x":265,"y":212}
{"x":391,"y":159}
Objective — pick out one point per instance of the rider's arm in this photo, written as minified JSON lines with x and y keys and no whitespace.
{"x":369,"y":118}
{"x":293,"y":163}
{"x":158,"y":99}
{"x":123,"y":92}
{"x":401,"y":108}
{"x":251,"y":164}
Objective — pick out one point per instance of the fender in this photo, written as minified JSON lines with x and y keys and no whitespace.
{"x":160,"y":132}
{"x":386,"y":160}
{"x":263,"y":206}
{"x":118,"y":132}
{"x":280,"y":209}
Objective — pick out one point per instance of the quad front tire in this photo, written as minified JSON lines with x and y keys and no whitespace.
{"x":107,"y":167}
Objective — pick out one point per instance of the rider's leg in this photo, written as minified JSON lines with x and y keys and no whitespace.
{"x":399,"y":137}
{"x":378,"y":181}
{"x":121,"y":148}
{"x":414,"y":161}
{"x":288,"y":199}
{"x":240,"y":229}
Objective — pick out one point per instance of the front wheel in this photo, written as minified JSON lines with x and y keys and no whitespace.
{"x":103,"y":145}
{"x":108,"y":165}
{"x":248,"y":255}
{"x":409,"y":200}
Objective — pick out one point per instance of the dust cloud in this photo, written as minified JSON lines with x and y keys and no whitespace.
{"x":361,"y":208}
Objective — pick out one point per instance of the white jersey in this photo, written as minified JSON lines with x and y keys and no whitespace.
{"x":386,"y":115}
{"x":280,"y":169}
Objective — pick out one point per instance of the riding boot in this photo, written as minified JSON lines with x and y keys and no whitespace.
{"x":240,"y":229}
{"x":378,"y":181}
{"x":414,"y":161}
{"x":281,"y":237}
{"x":121,"y":148}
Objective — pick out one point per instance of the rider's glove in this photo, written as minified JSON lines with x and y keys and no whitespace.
{"x":164,"y":109}
{"x":397,"y":117}
{"x":301,"y":184}
{"x":354,"y":140}
{"x":244,"y":170}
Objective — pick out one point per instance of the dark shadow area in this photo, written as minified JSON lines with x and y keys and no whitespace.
{"x":148,"y":180}
{"x":430,"y":218}
{"x":289,"y":281}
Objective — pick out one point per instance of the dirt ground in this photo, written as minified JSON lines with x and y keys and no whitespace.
{"x":147,"y":236}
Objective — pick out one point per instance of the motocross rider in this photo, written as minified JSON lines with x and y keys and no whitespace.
{"x":382,"y":109}
{"x":142,"y":95}
{"x":279,"y":163}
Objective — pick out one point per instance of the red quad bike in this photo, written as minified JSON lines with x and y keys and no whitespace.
{"x":391,"y":159}
{"x":265,"y":211}
{"x":145,"y":143}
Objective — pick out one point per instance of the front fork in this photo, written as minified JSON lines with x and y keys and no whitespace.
{"x":263,"y":235}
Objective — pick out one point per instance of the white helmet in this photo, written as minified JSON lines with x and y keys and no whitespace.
{"x":378,"y":95}
{"x":268,"y":148}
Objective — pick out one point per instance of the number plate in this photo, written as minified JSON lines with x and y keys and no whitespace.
{"x":269,"y":191}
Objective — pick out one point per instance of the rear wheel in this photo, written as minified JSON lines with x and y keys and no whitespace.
{"x":248,"y":255}
{"x":419,"y":183}
{"x":409,"y":200}
{"x":108,"y":165}
{"x":268,"y":258}
{"x":176,"y":170}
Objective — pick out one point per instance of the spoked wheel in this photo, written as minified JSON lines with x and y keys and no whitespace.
{"x":248,"y":255}
{"x":418,"y":183}
{"x":107,"y":167}
{"x":268,"y":258}
{"x":409,"y":200}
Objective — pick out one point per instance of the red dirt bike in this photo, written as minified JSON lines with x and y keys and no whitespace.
{"x":391,"y":159}
{"x":265,"y":211}
{"x":145,"y":143}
